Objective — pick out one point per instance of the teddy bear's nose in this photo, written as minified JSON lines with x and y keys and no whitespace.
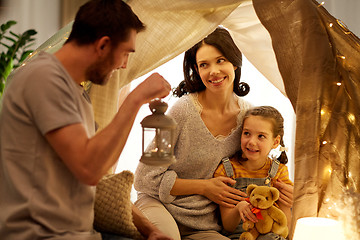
{"x":258,"y":199}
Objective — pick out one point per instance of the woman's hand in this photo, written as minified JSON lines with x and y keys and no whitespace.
{"x":245,"y":212}
{"x":286,"y":193}
{"x":218,"y":190}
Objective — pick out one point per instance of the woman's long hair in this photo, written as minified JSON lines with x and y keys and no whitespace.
{"x":221,"y":40}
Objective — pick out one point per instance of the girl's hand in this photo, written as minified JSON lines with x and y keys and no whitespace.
{"x":245,"y":211}
{"x":218,"y":190}
{"x":286,"y":193}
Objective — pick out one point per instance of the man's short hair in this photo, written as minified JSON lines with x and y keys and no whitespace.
{"x":99,"y":18}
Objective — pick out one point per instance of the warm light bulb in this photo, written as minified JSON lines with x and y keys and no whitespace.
{"x":331,"y":24}
{"x":324,"y":142}
{"x":312,"y":228}
{"x":351,"y":118}
{"x":338,"y":83}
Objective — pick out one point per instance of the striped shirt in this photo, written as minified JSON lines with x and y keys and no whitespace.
{"x":241,"y":172}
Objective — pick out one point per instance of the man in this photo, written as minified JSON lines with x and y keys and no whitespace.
{"x":49,"y":153}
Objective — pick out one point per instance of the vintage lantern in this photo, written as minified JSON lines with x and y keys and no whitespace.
{"x":158,"y":136}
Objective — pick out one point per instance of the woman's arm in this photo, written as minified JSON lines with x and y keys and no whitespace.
{"x":286,"y":193}
{"x":287,"y":212}
{"x":216,"y":189}
{"x":286,"y":198}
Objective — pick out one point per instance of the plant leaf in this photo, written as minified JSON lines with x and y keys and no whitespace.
{"x":2,"y":86}
{"x":16,"y":50}
{"x":7,"y":25}
{"x":5,"y":45}
{"x":29,"y":45}
{"x":24,"y":55}
{"x":30,"y":32}
{"x":8,"y":69}
{"x":14,"y":34}
{"x":10,"y":39}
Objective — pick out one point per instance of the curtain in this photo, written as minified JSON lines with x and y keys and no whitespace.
{"x":318,"y":59}
{"x":69,"y":9}
{"x":171,"y":28}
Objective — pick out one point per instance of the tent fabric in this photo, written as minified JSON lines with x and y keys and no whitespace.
{"x":171,"y":28}
{"x":304,"y":51}
{"x":255,"y":42}
{"x":318,"y":59}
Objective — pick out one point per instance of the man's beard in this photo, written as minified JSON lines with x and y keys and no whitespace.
{"x":98,"y":72}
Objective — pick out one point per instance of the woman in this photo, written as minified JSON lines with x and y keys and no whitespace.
{"x":208,"y":114}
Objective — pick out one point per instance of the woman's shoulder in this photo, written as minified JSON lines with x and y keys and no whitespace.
{"x":184,"y":103}
{"x":244,"y":104}
{"x":183,"y":109}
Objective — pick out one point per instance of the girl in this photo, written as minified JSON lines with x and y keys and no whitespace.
{"x":262,"y":131}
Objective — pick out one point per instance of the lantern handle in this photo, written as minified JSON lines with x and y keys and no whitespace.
{"x":157,"y":106}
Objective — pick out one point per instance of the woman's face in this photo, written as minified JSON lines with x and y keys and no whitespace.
{"x":216,"y":72}
{"x":257,"y":138}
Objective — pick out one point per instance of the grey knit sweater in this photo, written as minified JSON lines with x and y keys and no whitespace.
{"x":198,"y":153}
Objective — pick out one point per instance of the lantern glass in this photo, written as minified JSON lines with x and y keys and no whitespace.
{"x":158,"y":131}
{"x":159,"y":142}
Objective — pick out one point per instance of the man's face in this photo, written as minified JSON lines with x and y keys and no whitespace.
{"x":100,"y":71}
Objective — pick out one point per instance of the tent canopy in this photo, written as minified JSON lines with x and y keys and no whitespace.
{"x":300,"y":48}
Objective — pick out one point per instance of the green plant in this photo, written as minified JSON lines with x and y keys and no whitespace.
{"x":16,"y":50}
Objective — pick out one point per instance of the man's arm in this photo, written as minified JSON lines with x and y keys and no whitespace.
{"x":90,"y":158}
{"x":145,"y":227}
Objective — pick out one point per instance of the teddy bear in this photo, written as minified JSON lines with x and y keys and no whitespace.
{"x":271,"y":218}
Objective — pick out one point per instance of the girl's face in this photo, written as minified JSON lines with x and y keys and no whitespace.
{"x":257,"y":139}
{"x":216,"y":72}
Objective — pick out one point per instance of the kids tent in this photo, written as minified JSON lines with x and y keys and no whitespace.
{"x":309,"y":55}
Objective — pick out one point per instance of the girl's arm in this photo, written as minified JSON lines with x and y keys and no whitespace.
{"x":231,"y":217}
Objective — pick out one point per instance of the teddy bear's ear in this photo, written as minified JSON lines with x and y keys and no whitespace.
{"x":250,"y":188}
{"x":275,"y":193}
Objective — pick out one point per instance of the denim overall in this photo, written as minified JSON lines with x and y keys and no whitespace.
{"x":241,"y":184}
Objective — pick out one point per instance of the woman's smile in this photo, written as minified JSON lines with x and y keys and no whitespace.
{"x":217,"y":80}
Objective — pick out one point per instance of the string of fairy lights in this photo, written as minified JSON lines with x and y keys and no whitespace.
{"x":344,"y":207}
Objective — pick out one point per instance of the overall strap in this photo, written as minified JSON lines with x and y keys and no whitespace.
{"x":228,"y":167}
{"x":273,"y":170}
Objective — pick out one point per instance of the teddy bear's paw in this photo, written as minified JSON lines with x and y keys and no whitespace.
{"x":248,"y":225}
{"x":246,"y":236}
{"x":280,"y":230}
